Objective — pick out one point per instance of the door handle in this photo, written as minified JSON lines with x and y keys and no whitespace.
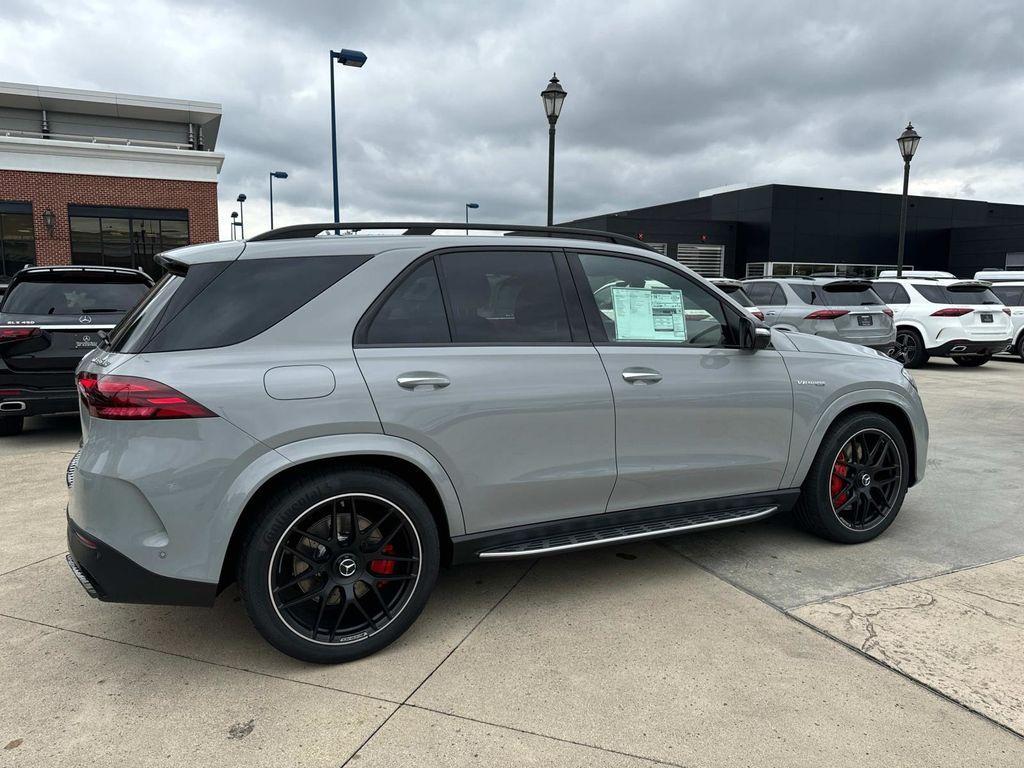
{"x":641,"y":376}
{"x":416,"y":379}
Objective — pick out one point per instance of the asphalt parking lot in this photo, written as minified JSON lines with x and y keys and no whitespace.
{"x":757,"y":645}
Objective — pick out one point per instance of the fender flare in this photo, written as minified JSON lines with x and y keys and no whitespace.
{"x":919,"y":327}
{"x":292,"y":455}
{"x":831,"y":412}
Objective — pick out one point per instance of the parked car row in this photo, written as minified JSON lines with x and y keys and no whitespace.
{"x":912,"y":318}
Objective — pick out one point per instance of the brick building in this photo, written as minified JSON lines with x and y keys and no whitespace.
{"x":103,"y":178}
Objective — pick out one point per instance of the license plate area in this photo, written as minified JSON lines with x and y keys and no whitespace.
{"x":986,"y":317}
{"x":865,"y":320}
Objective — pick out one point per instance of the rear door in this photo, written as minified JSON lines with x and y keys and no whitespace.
{"x":69,"y":310}
{"x":696,"y":417}
{"x":482,"y":357}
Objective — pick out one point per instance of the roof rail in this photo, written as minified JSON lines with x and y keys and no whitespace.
{"x":430,"y":227}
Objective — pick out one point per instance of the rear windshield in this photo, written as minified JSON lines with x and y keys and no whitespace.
{"x":72,"y":298}
{"x":943,"y":294}
{"x":836,"y":297}
{"x":737,"y":294}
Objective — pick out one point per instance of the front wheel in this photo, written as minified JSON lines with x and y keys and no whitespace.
{"x":340,"y":565}
{"x":856,"y":485}
{"x":971,"y":361}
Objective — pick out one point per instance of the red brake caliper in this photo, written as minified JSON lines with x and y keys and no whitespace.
{"x":384,"y":567}
{"x":839,"y":470}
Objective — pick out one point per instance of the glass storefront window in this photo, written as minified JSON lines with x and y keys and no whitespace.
{"x":125,"y":241}
{"x":17,"y":242}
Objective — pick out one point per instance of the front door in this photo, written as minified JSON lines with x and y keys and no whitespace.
{"x":477,"y":357}
{"x":696,"y":416}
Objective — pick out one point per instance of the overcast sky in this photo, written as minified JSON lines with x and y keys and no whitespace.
{"x":664,"y":98}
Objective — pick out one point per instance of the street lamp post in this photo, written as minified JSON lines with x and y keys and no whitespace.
{"x":241,"y":215}
{"x":349,"y":59}
{"x":274,"y":175}
{"x":908,"y":142}
{"x":552,"y":96}
{"x":474,"y":206}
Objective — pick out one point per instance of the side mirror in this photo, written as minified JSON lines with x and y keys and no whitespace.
{"x":754,"y":336}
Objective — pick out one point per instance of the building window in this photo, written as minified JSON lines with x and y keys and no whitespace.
{"x":125,"y":237}
{"x":17,"y":238}
{"x":806,"y":269}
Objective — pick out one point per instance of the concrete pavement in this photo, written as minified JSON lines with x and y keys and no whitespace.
{"x":750,"y":646}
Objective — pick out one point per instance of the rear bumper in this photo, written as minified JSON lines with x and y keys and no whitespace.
{"x":108,"y":575}
{"x":967,"y":347}
{"x":37,"y":394}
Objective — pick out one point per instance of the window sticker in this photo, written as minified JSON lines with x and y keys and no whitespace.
{"x":649,"y":314}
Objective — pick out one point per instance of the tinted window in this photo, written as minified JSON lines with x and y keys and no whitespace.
{"x":739,"y":296}
{"x":72,"y":298}
{"x":638,"y":301}
{"x":413,"y":313}
{"x":760,"y":293}
{"x":891,"y":293}
{"x":504,"y":296}
{"x":244,"y":299}
{"x":941,"y":294}
{"x":1010,"y":295}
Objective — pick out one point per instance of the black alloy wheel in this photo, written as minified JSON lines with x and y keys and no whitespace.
{"x":856,"y":484}
{"x":909,"y":348}
{"x":865,"y":480}
{"x":338,"y":564}
{"x":345,"y":568}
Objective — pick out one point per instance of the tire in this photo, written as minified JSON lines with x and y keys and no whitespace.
{"x":834,"y":493}
{"x":1020,"y":347}
{"x":909,"y":348}
{"x":364,"y":591}
{"x":11,"y":425}
{"x":971,"y":361}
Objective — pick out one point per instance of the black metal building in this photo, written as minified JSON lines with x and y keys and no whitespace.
{"x":780,"y":229}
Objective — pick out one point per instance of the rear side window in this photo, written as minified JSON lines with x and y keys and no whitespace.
{"x":236,"y":302}
{"x":65,"y":297}
{"x":413,"y":313}
{"x":1010,"y":295}
{"x":892,"y":293}
{"x":941,"y":294}
{"x":504,"y":297}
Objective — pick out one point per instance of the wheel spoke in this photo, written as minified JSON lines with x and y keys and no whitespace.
{"x":384,"y":606}
{"x":342,"y":610}
{"x":320,"y":611}
{"x":304,"y":576}
{"x":376,"y":526}
{"x":313,"y":537}
{"x":387,"y":539}
{"x":301,"y":599}
{"x":303,"y":557}
{"x":362,"y":610}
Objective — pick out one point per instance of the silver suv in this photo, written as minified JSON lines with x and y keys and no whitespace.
{"x":329,"y":420}
{"x":836,"y":308}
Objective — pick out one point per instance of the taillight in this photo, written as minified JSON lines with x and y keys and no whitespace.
{"x":757,"y":313}
{"x":952,"y":312}
{"x":886,"y":311}
{"x":827,"y":314}
{"x":130,"y":397}
{"x":18,"y":334}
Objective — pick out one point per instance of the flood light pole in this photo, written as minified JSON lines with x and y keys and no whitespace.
{"x":468,"y":206}
{"x":908,"y":142}
{"x":349,"y":59}
{"x":275,"y":175}
{"x":552,"y":96}
{"x":241,"y":214}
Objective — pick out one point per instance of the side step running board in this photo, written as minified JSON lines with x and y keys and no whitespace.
{"x":632,"y":532}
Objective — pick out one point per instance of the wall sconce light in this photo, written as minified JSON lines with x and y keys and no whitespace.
{"x":49,"y":221}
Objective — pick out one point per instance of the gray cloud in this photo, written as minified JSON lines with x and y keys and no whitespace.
{"x":665,"y":98}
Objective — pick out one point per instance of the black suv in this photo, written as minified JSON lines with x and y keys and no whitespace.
{"x":49,"y":318}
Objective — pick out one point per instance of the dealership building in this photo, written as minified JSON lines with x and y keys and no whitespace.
{"x":778,"y":229}
{"x":89,"y":177}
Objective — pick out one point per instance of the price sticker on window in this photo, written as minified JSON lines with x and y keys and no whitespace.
{"x":649,"y":314}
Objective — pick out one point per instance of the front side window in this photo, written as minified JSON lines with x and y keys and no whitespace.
{"x":503,"y":297}
{"x":640,"y":302}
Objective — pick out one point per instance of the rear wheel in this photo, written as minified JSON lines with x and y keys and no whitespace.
{"x":1020,"y":347}
{"x":909,"y":348}
{"x":856,"y":485}
{"x":340,"y":565}
{"x":11,"y":425}
{"x":971,"y":361}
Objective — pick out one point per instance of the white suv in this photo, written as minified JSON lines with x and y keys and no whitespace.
{"x":939,"y":315}
{"x":1009,"y":287}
